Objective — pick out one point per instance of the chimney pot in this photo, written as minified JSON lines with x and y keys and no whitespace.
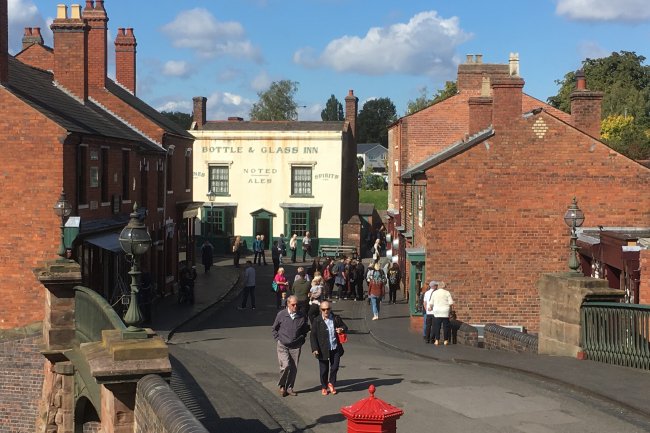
{"x":350,"y":92}
{"x":581,"y":83}
{"x":479,"y":58}
{"x":469,"y":58}
{"x":235,"y":119}
{"x":513,"y":61}
{"x":90,"y":4}
{"x":99,"y":4}
{"x":75,"y":12}
{"x":36,"y":31}
{"x":129,"y":32}
{"x":28,"y":31}
{"x":61,"y":12}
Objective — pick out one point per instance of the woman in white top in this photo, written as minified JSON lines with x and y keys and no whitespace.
{"x":293,"y":245}
{"x":440,"y":304}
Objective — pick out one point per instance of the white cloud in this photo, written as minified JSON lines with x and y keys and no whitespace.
{"x":424,"y":45}
{"x":176,"y":105}
{"x":23,"y":13}
{"x":198,"y":30}
{"x":222,"y":105}
{"x":261,"y":82}
{"x":591,"y":50}
{"x":604,"y":10}
{"x":177,"y":68}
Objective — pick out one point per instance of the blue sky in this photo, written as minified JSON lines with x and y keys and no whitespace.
{"x":230,"y":50}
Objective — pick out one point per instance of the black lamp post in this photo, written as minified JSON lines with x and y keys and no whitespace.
{"x":63,"y":209}
{"x":212,"y":196}
{"x":135,"y":241}
{"x":574,"y":217}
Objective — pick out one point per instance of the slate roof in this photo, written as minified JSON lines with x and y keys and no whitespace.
{"x":366,"y":209}
{"x":365,"y":147}
{"x":153,"y":114}
{"x":36,"y":88}
{"x":255,"y":125}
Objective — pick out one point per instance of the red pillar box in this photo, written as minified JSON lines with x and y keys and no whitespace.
{"x":372,"y":415}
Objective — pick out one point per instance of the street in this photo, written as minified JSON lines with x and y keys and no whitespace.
{"x":226,"y":373}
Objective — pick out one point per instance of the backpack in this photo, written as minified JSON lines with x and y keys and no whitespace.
{"x":326,"y":273}
{"x":392,"y":277}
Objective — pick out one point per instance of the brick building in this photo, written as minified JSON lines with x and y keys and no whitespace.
{"x":480,"y":204}
{"x":69,"y":127}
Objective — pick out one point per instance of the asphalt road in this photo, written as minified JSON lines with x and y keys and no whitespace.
{"x":226,"y":373}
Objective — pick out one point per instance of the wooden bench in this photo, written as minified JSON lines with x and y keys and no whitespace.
{"x":337,"y":251}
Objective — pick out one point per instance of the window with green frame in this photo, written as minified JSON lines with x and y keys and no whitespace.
{"x":299,"y":221}
{"x":218,"y":179}
{"x":217,"y":221}
{"x":301,"y":181}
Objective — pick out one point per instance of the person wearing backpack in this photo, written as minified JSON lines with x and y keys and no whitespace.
{"x":394,"y":278}
{"x":358,"y":281}
{"x":376,"y":290}
{"x":340,"y":279}
{"x":328,"y":279}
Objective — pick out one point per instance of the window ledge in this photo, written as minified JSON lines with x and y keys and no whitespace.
{"x":301,"y":196}
{"x":188,"y":190}
{"x":84,"y":206}
{"x":126,"y":202}
{"x":170,"y":192}
{"x":105,"y":203}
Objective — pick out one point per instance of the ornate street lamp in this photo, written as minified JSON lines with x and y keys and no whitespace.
{"x":212,"y":196}
{"x":574,"y":217}
{"x":135,"y":241}
{"x":63,"y":209}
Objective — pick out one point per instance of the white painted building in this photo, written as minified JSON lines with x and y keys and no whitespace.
{"x":273,"y":177}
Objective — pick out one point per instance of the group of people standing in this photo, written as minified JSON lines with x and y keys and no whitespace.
{"x":436,"y":302}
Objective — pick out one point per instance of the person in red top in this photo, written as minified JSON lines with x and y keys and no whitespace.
{"x":283,"y":288}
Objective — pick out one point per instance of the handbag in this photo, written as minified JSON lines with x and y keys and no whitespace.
{"x":274,"y":286}
{"x":343,"y":337}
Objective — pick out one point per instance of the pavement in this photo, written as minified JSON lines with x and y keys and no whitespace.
{"x":624,"y":387}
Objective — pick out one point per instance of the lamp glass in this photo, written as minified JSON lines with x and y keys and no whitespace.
{"x":62,"y":207}
{"x":574,"y":215}
{"x":211,"y":195}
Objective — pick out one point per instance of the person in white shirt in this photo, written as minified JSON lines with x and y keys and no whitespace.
{"x":428,"y":312}
{"x":440,"y":303}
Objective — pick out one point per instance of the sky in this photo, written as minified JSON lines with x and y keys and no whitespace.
{"x":229,"y":51}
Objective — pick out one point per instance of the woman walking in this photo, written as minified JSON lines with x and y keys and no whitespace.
{"x":376,"y":290}
{"x":293,"y":246}
{"x":394,"y":278}
{"x":326,"y":347}
{"x":236,"y":249}
{"x":283,"y":288}
{"x":440,"y":303}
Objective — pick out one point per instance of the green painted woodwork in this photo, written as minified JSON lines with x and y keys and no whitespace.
{"x":93,"y":314}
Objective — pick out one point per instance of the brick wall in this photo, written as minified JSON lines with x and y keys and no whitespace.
{"x":644,"y":270}
{"x":159,"y":410}
{"x":492,"y":231}
{"x":21,"y":379}
{"x":37,"y":56}
{"x":497,"y":337}
{"x":30,"y":187}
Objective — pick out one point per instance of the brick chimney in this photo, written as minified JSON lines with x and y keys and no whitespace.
{"x":471,"y":73}
{"x":32,"y":36}
{"x":586,"y":106}
{"x":125,"y":66}
{"x":480,"y":109}
{"x":4,"y":42}
{"x":95,"y":16}
{"x":351,"y":108}
{"x":70,"y":48}
{"x":199,"y":113}
{"x":507,"y":97}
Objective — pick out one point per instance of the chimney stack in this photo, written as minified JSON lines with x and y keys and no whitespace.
{"x":586,"y":107}
{"x":199,"y":114}
{"x":507,"y":94}
{"x":70,"y":48}
{"x":471,"y":73}
{"x":4,"y":42}
{"x":32,"y":37}
{"x":480,"y":109}
{"x":351,"y":108}
{"x":125,"y":65}
{"x":95,"y":16}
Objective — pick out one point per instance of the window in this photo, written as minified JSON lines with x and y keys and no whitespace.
{"x":300,"y":181}
{"x":218,"y":178}
{"x":299,"y":221}
{"x":217,"y":221}
{"x":104,"y":174}
{"x":420,"y":206}
{"x":82,"y":175}
{"x":125,"y":174}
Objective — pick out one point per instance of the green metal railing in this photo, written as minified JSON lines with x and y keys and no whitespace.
{"x":616,"y":333}
{"x":93,"y":314}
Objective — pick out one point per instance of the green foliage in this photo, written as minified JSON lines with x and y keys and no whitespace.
{"x":423,"y":101}
{"x":612,"y":126}
{"x":450,"y":90}
{"x":378,"y":198}
{"x":276,"y":103}
{"x":625,"y":82}
{"x":333,"y":110}
{"x":373,"y":121}
{"x":372,"y":181}
{"x":182,"y":119}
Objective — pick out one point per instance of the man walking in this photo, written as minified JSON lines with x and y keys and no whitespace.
{"x":263,"y":249}
{"x":306,"y":246}
{"x":249,"y":285}
{"x":257,"y":250}
{"x":289,"y":330}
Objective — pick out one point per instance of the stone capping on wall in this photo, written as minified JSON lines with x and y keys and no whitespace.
{"x":497,"y":337}
{"x":464,"y":334}
{"x":158,"y":409}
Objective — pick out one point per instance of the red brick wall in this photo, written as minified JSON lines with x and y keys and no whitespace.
{"x":644,"y":284}
{"x":31,"y":170}
{"x":492,"y":232}
{"x":70,"y":61}
{"x":97,"y":44}
{"x":21,"y":380}
{"x":37,"y":56}
{"x":125,"y":61}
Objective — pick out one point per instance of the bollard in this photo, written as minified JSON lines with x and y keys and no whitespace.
{"x":372,"y":415}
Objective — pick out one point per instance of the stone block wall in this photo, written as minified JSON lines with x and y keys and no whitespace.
{"x":159,"y":410}
{"x":497,"y":337}
{"x":21,"y":378}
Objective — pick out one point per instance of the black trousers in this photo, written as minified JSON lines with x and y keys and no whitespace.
{"x":248,"y":290}
{"x":329,"y":368}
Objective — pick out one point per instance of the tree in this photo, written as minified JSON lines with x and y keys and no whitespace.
{"x":180,"y":118}
{"x":276,"y":103}
{"x":373,"y":121}
{"x":423,"y":101}
{"x":333,"y":110}
{"x":450,"y":90}
{"x":625,"y":82}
